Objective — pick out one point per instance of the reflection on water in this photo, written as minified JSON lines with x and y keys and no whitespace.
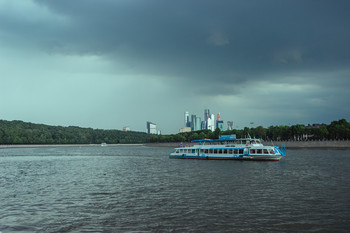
{"x":138,"y":188}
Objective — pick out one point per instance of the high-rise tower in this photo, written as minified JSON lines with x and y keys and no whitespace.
{"x":220,"y":123}
{"x":193,"y":122}
{"x":211,"y":122}
{"x":187,"y":119}
{"x":206,"y":117}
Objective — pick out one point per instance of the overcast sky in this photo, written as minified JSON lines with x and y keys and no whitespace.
{"x":108,"y":64}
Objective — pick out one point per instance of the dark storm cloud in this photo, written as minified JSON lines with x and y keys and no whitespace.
{"x":226,"y":41}
{"x":252,"y":55}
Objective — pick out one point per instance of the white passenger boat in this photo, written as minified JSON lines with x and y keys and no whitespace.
{"x":230,"y":148}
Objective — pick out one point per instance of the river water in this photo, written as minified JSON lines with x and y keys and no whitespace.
{"x":139,"y":189}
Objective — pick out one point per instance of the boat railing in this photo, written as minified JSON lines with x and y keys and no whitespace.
{"x":282,"y":149}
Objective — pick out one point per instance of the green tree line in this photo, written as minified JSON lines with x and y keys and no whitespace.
{"x":337,"y":130}
{"x":19,"y":132}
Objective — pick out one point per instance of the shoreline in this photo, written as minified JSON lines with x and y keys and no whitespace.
{"x":328,"y":144}
{"x":63,"y":145}
{"x":289,"y":144}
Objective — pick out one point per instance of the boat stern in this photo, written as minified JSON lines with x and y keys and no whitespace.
{"x":281,"y":149}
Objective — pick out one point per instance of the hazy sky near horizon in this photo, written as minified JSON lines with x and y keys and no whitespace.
{"x":108,"y":64}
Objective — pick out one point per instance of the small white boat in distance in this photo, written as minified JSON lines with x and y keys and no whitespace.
{"x":230,"y":148}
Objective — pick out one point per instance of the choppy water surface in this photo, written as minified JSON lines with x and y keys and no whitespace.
{"x":138,"y":188}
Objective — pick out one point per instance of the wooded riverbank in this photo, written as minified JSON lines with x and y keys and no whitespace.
{"x":65,"y":145}
{"x":338,"y":144}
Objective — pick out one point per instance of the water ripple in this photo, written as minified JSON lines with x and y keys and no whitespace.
{"x":138,"y":189}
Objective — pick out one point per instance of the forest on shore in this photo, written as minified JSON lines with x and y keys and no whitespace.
{"x":19,"y":132}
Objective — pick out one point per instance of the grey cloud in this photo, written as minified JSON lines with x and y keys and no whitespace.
{"x":218,"y":39}
{"x":206,"y":47}
{"x":212,"y":38}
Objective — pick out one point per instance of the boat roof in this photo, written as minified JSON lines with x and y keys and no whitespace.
{"x":225,"y":138}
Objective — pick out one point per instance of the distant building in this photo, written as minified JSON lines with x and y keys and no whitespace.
{"x":203,"y":125}
{"x":229,"y":125}
{"x":198,"y":125}
{"x":219,"y":117}
{"x":126,"y":128}
{"x":219,"y":122}
{"x":206,"y":117}
{"x":185,"y":129}
{"x":220,"y":125}
{"x":193,"y":122}
{"x":151,"y":128}
{"x":211,"y":123}
{"x":187,"y":119}
{"x":314,"y":126}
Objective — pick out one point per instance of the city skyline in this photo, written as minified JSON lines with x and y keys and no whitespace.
{"x":194,"y":123}
{"x":113,"y":64}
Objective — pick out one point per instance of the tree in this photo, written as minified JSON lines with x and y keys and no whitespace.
{"x":202,"y":135}
{"x":260,"y":132}
{"x":297,"y":131}
{"x":179,"y":138}
{"x":194,"y":136}
{"x":216,"y":133}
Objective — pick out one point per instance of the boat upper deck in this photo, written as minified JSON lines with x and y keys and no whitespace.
{"x":229,"y":140}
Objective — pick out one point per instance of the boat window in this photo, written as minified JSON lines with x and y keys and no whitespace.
{"x":220,"y":151}
{"x":259,"y":151}
{"x":176,"y":151}
{"x":206,"y":151}
{"x":225,"y":151}
{"x":252,"y":151}
{"x":271,"y":151}
{"x":210,"y":151}
{"x":201,"y":151}
{"x":193,"y":151}
{"x":235,"y":151}
{"x":230,"y":151}
{"x":215,"y":151}
{"x":243,"y":141}
{"x":240,"y":151}
{"x":265,"y":151}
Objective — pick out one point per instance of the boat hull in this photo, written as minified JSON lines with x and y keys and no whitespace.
{"x":239,"y":157}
